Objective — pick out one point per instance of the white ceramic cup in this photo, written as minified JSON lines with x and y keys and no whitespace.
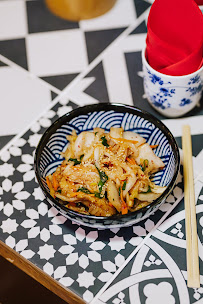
{"x":172,"y":96}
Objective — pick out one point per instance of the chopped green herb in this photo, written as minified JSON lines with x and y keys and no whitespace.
{"x":145,"y":165}
{"x":100,"y":185}
{"x":76,"y":162}
{"x":124,"y":185}
{"x":104,"y":141}
{"x":95,"y":133}
{"x":102,"y":175}
{"x":98,"y":194}
{"x":103,"y":179}
{"x":59,"y":190}
{"x":81,"y":157}
{"x":148,"y":191}
{"x":83,"y":189}
{"x":119,"y":191}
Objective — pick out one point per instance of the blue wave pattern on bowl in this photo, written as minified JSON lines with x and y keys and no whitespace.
{"x":51,"y":155}
{"x":163,"y":98}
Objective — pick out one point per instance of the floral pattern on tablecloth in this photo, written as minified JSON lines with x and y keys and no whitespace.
{"x":158,"y":274}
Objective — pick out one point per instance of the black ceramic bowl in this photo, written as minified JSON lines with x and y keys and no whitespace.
{"x":53,"y":142}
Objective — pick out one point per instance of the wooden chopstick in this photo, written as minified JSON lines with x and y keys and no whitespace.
{"x":193,"y":275}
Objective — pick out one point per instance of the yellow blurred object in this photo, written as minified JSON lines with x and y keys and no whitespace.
{"x":76,"y":10}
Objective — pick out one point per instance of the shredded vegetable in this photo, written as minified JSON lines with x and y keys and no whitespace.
{"x":106,"y":173}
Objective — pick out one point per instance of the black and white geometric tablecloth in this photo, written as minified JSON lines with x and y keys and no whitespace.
{"x":41,"y":54}
{"x":48,"y":67}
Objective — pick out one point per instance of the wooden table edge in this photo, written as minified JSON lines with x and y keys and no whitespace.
{"x":36,"y":273}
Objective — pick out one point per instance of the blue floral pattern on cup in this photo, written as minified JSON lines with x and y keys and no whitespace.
{"x":154,"y":78}
{"x":172,"y":95}
{"x":185,"y":101}
{"x":195,"y":79}
{"x":160,"y":99}
{"x":194,"y":90}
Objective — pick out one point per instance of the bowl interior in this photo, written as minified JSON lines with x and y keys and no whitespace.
{"x":54,"y":141}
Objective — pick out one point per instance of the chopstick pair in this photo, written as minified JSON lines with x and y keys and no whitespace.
{"x":193,"y":275}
